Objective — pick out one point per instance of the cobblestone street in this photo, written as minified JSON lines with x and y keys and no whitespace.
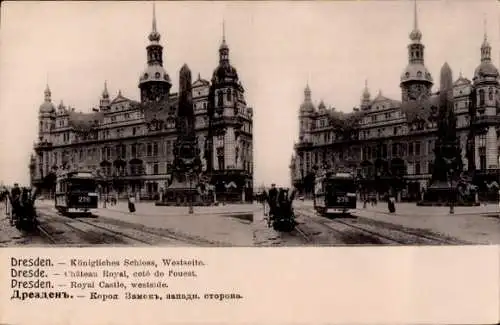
{"x":410,"y":225}
{"x":227,"y":225}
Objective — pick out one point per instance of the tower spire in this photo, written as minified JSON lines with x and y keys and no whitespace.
{"x":415,"y":15}
{"x":224,"y":30}
{"x":224,"y":44}
{"x":154,"y":36}
{"x":366,"y":92}
{"x":485,"y":47}
{"x":47,"y":92}
{"x":485,"y":23}
{"x":365,"y":98}
{"x":154,"y":18}
{"x":105,"y":93}
{"x":224,"y":49}
{"x":416,"y":34}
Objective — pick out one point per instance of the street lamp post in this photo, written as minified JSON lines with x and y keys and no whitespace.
{"x":190,"y":194}
{"x":450,"y":163}
{"x":452,"y":208}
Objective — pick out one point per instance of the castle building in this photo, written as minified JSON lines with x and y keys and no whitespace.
{"x":130,"y":145}
{"x":385,"y":138}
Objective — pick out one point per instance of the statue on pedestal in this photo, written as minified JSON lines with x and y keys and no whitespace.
{"x":448,"y":165}
{"x":183,"y":190}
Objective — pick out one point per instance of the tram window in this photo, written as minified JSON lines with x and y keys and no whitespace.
{"x":82,"y":185}
{"x":341,"y":185}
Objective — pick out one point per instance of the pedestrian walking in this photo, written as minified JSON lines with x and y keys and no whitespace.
{"x":391,"y":203}
{"x":131,"y":203}
{"x":263,"y":198}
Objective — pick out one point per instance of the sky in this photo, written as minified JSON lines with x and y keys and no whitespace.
{"x":277,"y":48}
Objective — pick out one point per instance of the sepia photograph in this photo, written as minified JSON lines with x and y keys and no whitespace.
{"x":383,"y":128}
{"x":134,"y":130}
{"x":363,"y":136}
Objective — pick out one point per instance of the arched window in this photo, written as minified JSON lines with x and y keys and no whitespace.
{"x":134,"y":150}
{"x":481,"y":97}
{"x":229,"y":95}
{"x":220,"y":98}
{"x":220,"y":158}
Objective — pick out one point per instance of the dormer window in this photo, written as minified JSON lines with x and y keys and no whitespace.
{"x":407,"y":75}
{"x":419,"y":74}
{"x":146,"y":76}
{"x":157,"y":75}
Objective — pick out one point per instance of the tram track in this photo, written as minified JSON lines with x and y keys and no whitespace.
{"x":305,"y":236}
{"x":114,"y":234}
{"x":155,"y":237}
{"x":411,"y":237}
{"x":45,"y":234}
{"x":379,"y":238}
{"x":156,"y":234}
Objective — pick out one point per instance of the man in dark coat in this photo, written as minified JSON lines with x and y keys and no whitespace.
{"x":272,"y":198}
{"x":15,"y":195}
{"x":15,"y":192}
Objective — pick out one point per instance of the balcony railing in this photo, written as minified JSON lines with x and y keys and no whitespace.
{"x":487,"y":119}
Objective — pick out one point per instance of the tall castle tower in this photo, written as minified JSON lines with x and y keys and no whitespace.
{"x":46,"y":118}
{"x":154,"y":82}
{"x":227,"y":102}
{"x":306,"y":116}
{"x":485,"y":83}
{"x":416,"y":80}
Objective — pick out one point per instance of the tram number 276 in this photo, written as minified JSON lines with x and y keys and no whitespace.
{"x":83,"y":199}
{"x":342,"y":199}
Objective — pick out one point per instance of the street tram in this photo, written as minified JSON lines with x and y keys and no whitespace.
{"x":76,"y":192}
{"x":334,"y":193}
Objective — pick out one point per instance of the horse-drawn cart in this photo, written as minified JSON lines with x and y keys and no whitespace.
{"x":21,"y":210}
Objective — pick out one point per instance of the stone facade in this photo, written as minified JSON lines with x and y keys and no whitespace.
{"x":130,"y":147}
